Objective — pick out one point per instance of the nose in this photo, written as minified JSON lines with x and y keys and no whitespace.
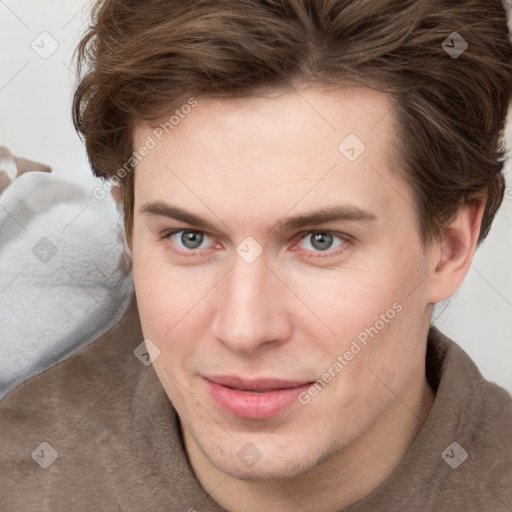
{"x":252,"y":310}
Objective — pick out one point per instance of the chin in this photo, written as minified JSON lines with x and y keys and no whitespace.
{"x":264,"y":470}
{"x":275,"y":466}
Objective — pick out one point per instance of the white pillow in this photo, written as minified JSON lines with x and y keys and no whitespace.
{"x":63,"y":274}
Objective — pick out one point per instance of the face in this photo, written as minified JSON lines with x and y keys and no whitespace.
{"x":279,"y":270}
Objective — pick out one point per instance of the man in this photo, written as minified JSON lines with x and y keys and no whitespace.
{"x":302,"y":182}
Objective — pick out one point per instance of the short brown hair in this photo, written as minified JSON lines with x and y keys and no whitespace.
{"x":139,"y":59}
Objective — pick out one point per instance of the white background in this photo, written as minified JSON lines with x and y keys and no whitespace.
{"x":35,"y":122}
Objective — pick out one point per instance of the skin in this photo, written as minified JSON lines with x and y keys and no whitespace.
{"x":245,"y":165}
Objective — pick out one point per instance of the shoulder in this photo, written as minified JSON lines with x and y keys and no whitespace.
{"x":40,"y":418}
{"x":71,"y":384}
{"x":475,"y":416}
{"x":461,"y":458}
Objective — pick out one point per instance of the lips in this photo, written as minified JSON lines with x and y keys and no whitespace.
{"x":254,"y":398}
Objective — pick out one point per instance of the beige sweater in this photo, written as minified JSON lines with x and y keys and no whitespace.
{"x":116,"y":436}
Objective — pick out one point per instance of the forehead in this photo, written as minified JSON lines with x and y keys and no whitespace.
{"x":267,"y":155}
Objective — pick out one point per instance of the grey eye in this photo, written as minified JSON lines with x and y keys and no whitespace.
{"x":321,"y":241}
{"x":191,"y":239}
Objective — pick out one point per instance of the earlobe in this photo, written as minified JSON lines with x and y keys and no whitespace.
{"x":455,"y":250}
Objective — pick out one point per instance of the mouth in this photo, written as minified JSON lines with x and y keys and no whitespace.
{"x":254,"y":398}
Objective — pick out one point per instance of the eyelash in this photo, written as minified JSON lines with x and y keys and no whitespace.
{"x":299,"y":237}
{"x":187,"y":254}
{"x":330,"y":253}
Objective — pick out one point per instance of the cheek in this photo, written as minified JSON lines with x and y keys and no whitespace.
{"x":377,"y":324}
{"x":169,"y":319}
{"x":387,"y":344}
{"x":374,"y":371}
{"x":173,"y":305}
{"x":161,"y":298}
{"x":162,"y":308}
{"x":148,"y":289}
{"x":348,"y":302}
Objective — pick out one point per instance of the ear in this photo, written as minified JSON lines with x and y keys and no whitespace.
{"x":125,"y":260}
{"x":452,"y":255}
{"x":116,"y":194}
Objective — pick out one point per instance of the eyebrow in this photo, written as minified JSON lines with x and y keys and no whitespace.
{"x":160,"y":209}
{"x":346,"y":213}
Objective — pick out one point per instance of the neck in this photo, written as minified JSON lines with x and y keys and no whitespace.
{"x":359,"y":469}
